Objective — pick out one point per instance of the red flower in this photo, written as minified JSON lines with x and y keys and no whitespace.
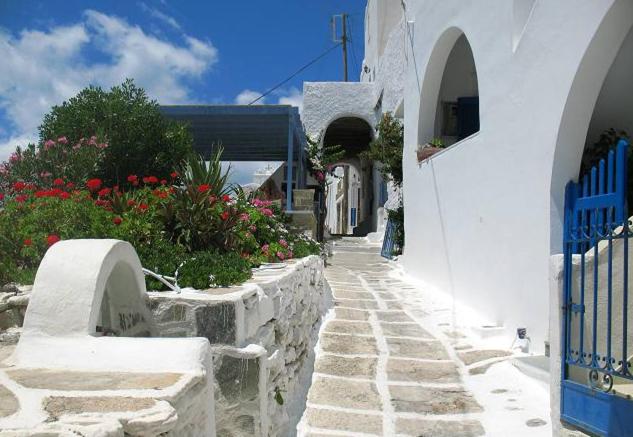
{"x":28,"y":242}
{"x":160,"y":194}
{"x":224,"y":216}
{"x":131,"y":202}
{"x":117,"y":220}
{"x":226,"y":198}
{"x":163,"y":181}
{"x":150,"y":180}
{"x":143,"y":207}
{"x":204,"y":188}
{"x":104,"y":192}
{"x":93,"y":184}
{"x":19,"y":186}
{"x":57,"y":182}
{"x":52,"y":239}
{"x":132,"y":178}
{"x":21,"y":198}
{"x":1,"y":197}
{"x":70,"y":185}
{"x":173,"y":174}
{"x":64,"y":195}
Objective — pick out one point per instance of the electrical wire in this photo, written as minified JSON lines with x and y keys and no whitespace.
{"x":352,"y":41}
{"x":322,"y":55}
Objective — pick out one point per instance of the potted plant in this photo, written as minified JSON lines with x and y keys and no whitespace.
{"x":429,"y":149}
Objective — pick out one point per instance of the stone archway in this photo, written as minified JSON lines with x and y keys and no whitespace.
{"x":354,"y":187}
{"x":580,"y":108}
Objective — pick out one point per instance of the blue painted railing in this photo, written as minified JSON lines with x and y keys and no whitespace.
{"x":389,"y":246}
{"x":596,"y":225}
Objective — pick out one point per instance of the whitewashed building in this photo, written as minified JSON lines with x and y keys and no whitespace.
{"x":517,"y":89}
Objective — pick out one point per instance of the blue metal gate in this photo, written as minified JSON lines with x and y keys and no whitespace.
{"x":596,"y":379}
{"x":389,"y":246}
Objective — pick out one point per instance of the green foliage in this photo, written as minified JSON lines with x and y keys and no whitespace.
{"x":141,"y":140}
{"x":196,"y":172}
{"x":437,"y":142}
{"x":203,"y":270}
{"x":387,"y":148}
{"x":199,"y":215}
{"x":320,"y":157}
{"x":43,"y":163}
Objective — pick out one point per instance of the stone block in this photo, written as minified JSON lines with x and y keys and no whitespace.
{"x":340,"y":421}
{"x":216,"y":323}
{"x":347,"y":394}
{"x":402,"y":347}
{"x":425,"y":400}
{"x":439,"y":428}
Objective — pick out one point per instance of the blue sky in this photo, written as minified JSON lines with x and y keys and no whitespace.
{"x":181,"y":51}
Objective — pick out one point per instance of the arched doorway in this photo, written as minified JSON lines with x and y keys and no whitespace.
{"x":592,"y":105}
{"x":350,"y":186}
{"x":594,"y":330}
{"x":449,"y":107}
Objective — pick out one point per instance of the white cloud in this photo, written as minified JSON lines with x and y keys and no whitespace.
{"x":292,"y":97}
{"x":247,"y":96}
{"x":40,"y":69}
{"x":170,"y":21}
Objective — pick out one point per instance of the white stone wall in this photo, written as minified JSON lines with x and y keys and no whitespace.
{"x":482,"y":218}
{"x":263,"y":334}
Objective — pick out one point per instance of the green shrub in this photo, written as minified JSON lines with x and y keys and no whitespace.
{"x":141,"y":140}
{"x":387,"y":148}
{"x":203,"y":270}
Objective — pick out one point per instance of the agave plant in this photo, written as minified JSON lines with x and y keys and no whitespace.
{"x":196,"y":172}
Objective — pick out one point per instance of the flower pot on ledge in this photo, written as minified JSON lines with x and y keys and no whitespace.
{"x":427,"y":151}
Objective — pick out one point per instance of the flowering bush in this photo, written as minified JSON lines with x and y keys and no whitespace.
{"x":186,"y":221}
{"x":53,"y":162}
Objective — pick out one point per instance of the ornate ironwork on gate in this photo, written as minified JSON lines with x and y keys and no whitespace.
{"x":596,"y":378}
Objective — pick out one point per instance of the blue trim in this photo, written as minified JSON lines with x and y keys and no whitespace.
{"x":603,"y":414}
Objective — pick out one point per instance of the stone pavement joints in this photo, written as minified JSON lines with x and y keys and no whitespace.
{"x":378,"y":371}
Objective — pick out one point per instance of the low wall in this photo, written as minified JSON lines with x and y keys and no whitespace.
{"x":263,"y":334}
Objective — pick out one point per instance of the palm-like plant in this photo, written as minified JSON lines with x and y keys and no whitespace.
{"x":195,"y":172}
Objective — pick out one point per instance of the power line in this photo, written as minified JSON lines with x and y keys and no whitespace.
{"x":353,"y":41}
{"x":295,"y":73}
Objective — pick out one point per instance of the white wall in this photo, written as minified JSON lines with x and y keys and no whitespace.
{"x":478,"y":222}
{"x":614,"y":108}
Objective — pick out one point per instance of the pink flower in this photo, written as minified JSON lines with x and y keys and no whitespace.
{"x":77,"y":146}
{"x":102,"y":146}
{"x":283,"y":243}
{"x":265,"y":248}
{"x":244,"y":217}
{"x":93,"y":141}
{"x":252,"y":228}
{"x":267,"y":212}
{"x":62,"y":140}
{"x":49,"y":144}
{"x":14,"y":157}
{"x":280,"y":255}
{"x":290,"y":254}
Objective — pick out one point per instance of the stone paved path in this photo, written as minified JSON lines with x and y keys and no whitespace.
{"x":380,"y":371}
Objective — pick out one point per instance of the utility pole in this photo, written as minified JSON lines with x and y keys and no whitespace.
{"x":342,"y":40}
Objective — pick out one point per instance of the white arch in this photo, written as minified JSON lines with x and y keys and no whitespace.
{"x":432,"y":82}
{"x":76,"y":279}
{"x":579,"y":107}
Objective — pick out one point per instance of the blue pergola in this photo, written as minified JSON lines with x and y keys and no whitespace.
{"x":248,"y":133}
